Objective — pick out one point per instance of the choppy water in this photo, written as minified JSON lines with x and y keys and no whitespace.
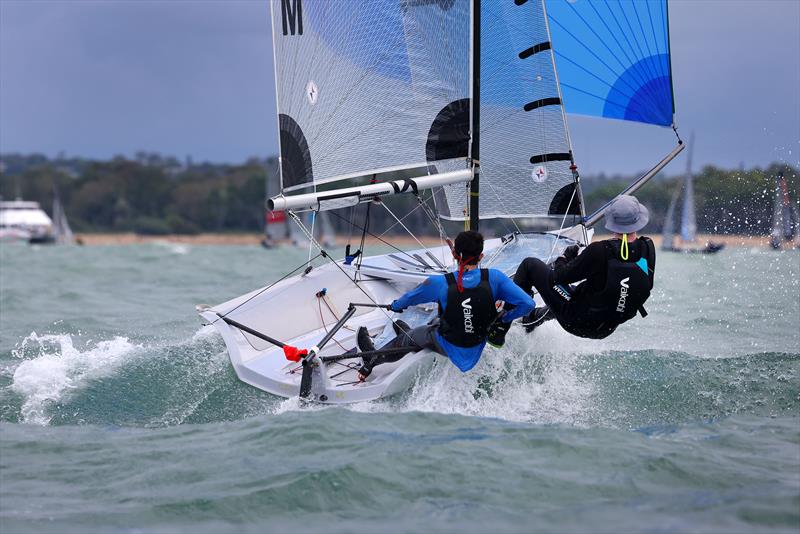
{"x":118,"y":412}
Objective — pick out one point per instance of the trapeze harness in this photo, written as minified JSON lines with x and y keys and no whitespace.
{"x":469,"y":313}
{"x":627,"y":285}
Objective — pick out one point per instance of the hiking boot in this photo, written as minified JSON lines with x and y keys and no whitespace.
{"x":365,"y":344}
{"x":364,"y":340}
{"x":534,"y":319}
{"x":401,"y":327}
{"x":497,"y":334}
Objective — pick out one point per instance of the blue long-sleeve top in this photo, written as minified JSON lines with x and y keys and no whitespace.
{"x":434,"y":289}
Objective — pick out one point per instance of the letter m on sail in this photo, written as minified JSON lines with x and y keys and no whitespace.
{"x":292,"y":16}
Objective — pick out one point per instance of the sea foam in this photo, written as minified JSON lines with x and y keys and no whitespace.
{"x":59,"y":368}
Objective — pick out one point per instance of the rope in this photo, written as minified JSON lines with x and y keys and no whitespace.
{"x":322,"y":320}
{"x":330,"y":305}
{"x":324,"y":254}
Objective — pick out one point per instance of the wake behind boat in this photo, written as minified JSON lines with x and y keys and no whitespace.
{"x":468,"y":95}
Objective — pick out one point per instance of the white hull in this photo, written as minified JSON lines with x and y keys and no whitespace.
{"x":291,"y":311}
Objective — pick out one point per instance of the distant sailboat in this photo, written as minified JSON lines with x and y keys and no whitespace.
{"x":688,"y":228}
{"x":62,"y":233}
{"x":785,"y":220}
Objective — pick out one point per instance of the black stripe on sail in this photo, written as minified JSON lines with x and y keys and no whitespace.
{"x":553,"y":156}
{"x":528,"y":52}
{"x":520,"y":2}
{"x":553,"y":101}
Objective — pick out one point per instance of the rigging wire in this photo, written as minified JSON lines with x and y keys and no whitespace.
{"x":489,"y":183}
{"x":400,"y":222}
{"x":566,"y":214}
{"x":363,"y":239}
{"x":324,"y":254}
{"x":433,"y":216}
{"x":313,"y":222}
{"x":367,"y":232}
{"x":281,"y":279}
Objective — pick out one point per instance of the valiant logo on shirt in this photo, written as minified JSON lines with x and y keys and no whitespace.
{"x":468,"y":328}
{"x":623,"y":295}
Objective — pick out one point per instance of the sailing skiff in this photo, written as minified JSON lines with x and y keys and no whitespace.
{"x":465,"y":94}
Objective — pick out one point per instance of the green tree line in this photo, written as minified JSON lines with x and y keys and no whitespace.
{"x":152,"y":194}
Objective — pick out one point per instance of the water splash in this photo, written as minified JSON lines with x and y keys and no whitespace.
{"x":523,"y":382}
{"x":59,"y":368}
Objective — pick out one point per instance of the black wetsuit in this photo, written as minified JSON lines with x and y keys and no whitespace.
{"x":587,"y":310}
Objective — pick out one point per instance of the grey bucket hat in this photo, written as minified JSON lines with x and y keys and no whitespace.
{"x":625,"y":215}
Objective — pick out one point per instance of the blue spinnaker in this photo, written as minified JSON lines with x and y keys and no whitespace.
{"x":613,"y":58}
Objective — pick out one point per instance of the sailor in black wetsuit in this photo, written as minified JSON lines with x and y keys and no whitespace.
{"x":616,"y":275}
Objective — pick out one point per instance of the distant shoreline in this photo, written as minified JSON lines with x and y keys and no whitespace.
{"x":245,"y":238}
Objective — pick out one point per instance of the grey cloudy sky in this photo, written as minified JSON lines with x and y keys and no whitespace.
{"x":186,"y":77}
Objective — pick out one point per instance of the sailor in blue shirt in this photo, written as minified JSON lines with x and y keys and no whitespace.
{"x":467,"y":310}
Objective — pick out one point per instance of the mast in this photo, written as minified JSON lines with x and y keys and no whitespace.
{"x":475,"y":116}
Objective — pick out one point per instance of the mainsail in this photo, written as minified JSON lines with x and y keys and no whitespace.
{"x":360,"y":85}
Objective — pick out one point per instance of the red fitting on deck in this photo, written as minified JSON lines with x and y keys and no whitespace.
{"x":293,"y":353}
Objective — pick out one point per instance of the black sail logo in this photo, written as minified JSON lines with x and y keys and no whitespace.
{"x":292,"y":16}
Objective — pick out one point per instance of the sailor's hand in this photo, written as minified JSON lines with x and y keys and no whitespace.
{"x":396,"y":308}
{"x":571,"y":252}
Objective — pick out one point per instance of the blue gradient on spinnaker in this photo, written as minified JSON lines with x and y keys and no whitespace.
{"x":613,"y":58}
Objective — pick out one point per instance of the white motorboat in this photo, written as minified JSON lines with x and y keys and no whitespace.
{"x":467,"y":95}
{"x":23,"y":220}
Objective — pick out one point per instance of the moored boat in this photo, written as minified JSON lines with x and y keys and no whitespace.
{"x":25,"y":221}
